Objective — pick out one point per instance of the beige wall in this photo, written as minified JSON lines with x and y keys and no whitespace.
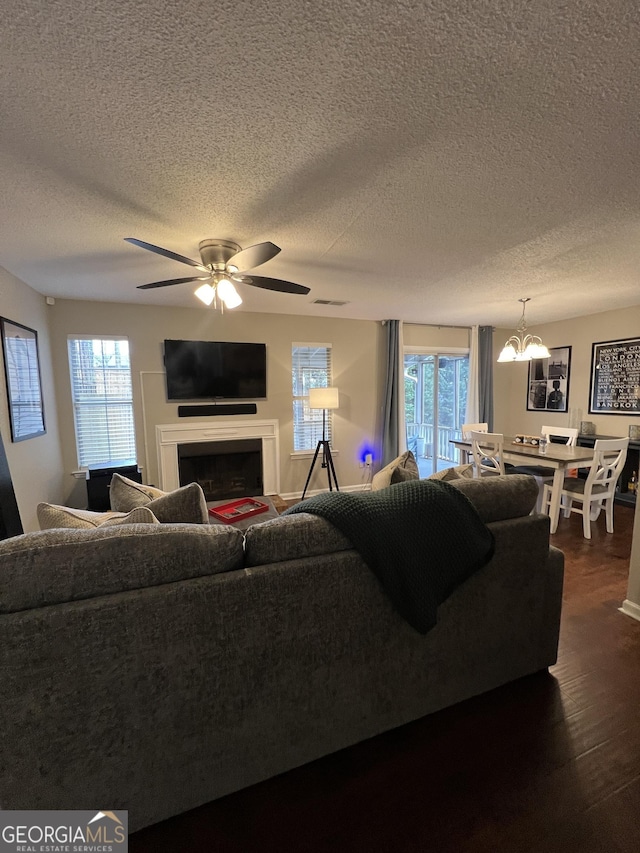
{"x":435,"y":336}
{"x":356,"y":368}
{"x":35,"y":463}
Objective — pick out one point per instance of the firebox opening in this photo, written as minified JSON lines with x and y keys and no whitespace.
{"x":224,"y":469}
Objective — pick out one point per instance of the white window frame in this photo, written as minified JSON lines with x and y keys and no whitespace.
{"x":307,"y":423}
{"x":103,"y":418}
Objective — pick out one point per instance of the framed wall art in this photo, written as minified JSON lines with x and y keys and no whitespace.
{"x":548,"y":389}
{"x":615,"y":377}
{"x":22,"y":373}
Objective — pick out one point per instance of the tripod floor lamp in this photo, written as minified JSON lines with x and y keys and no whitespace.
{"x":323,"y":398}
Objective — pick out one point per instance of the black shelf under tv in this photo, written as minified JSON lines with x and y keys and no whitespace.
{"x":632,"y":463}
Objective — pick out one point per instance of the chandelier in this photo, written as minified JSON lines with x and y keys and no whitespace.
{"x":523,"y":347}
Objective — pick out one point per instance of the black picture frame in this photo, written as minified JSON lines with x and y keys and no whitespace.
{"x":548,"y":385}
{"x":22,"y":375}
{"x":614,"y":387}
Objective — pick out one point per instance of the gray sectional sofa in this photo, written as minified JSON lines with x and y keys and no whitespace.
{"x":157,"y":667}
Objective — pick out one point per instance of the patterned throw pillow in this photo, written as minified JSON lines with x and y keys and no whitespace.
{"x":51,"y":516}
{"x":383,"y":478}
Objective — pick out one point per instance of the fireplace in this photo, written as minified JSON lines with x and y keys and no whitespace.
{"x":224,"y":469}
{"x":169,"y":437}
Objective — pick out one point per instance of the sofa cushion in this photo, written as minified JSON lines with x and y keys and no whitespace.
{"x":406,"y":460}
{"x":450,"y":474}
{"x":51,"y":516}
{"x":186,"y":504}
{"x":54,"y":566}
{"x":291,"y":537}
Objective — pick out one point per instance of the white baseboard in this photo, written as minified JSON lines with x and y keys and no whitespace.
{"x":296,"y":496}
{"x":630,"y":608}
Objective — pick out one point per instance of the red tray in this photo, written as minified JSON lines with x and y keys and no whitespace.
{"x":238,"y":510}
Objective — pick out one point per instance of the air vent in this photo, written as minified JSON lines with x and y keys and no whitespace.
{"x":328,"y":302}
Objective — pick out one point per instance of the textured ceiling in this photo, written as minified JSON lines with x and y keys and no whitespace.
{"x":431,"y":160}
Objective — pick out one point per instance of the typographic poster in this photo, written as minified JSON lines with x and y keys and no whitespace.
{"x":615,"y":377}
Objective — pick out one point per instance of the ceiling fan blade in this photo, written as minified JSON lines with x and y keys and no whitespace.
{"x":253,"y":256}
{"x":173,"y":281}
{"x":275,"y":284}
{"x":165,"y":253}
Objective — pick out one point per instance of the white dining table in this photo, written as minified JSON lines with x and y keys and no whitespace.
{"x":559,"y":457}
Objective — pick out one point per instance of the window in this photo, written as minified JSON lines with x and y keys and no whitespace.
{"x":102,"y":400}
{"x":310,"y":368}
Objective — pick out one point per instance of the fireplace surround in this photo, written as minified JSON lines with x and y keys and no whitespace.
{"x":170,"y":436}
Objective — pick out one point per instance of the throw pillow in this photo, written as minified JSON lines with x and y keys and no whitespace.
{"x":449,"y":474}
{"x":186,"y":505}
{"x":445,"y":474}
{"x":383,"y":478}
{"x":51,"y":516}
{"x":125,"y":494}
{"x":464,"y":471}
{"x":401,"y":475}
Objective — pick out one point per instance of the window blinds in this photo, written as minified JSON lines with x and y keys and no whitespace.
{"x":311,"y":368}
{"x":102,"y":400}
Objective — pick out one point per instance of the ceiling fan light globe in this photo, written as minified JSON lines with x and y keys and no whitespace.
{"x":228,"y":294}
{"x":205,"y":293}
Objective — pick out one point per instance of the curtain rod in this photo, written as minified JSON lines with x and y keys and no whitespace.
{"x":431,"y":325}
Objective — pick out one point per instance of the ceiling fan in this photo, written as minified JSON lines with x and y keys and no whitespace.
{"x":224,"y":264}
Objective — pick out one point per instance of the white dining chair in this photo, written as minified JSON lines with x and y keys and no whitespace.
{"x":598,"y":489}
{"x":486,"y":449}
{"x":466,"y":456}
{"x":467,"y":429}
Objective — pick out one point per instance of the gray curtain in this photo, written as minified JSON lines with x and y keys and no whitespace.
{"x":393,"y":395}
{"x":485,"y":375}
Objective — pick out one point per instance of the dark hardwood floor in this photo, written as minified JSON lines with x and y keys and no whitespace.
{"x":549,"y":763}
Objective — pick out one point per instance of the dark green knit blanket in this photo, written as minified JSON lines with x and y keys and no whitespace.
{"x":421,"y":539}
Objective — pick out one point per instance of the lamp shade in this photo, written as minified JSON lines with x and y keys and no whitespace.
{"x":228,"y":294}
{"x":205,"y":293}
{"x":323,"y":398}
{"x":508,"y":353}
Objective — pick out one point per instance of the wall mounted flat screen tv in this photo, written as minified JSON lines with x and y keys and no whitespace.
{"x":215,"y":370}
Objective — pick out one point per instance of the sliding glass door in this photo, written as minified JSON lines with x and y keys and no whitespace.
{"x":435,"y":385}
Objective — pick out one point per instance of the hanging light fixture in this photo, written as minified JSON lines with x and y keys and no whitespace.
{"x":220,"y":288}
{"x":523,"y":347}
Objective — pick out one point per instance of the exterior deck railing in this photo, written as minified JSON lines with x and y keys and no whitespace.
{"x":420,"y":441}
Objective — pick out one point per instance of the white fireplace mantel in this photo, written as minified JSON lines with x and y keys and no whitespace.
{"x":169,"y":436}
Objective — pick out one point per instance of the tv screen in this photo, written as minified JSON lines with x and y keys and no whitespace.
{"x":215,"y":370}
